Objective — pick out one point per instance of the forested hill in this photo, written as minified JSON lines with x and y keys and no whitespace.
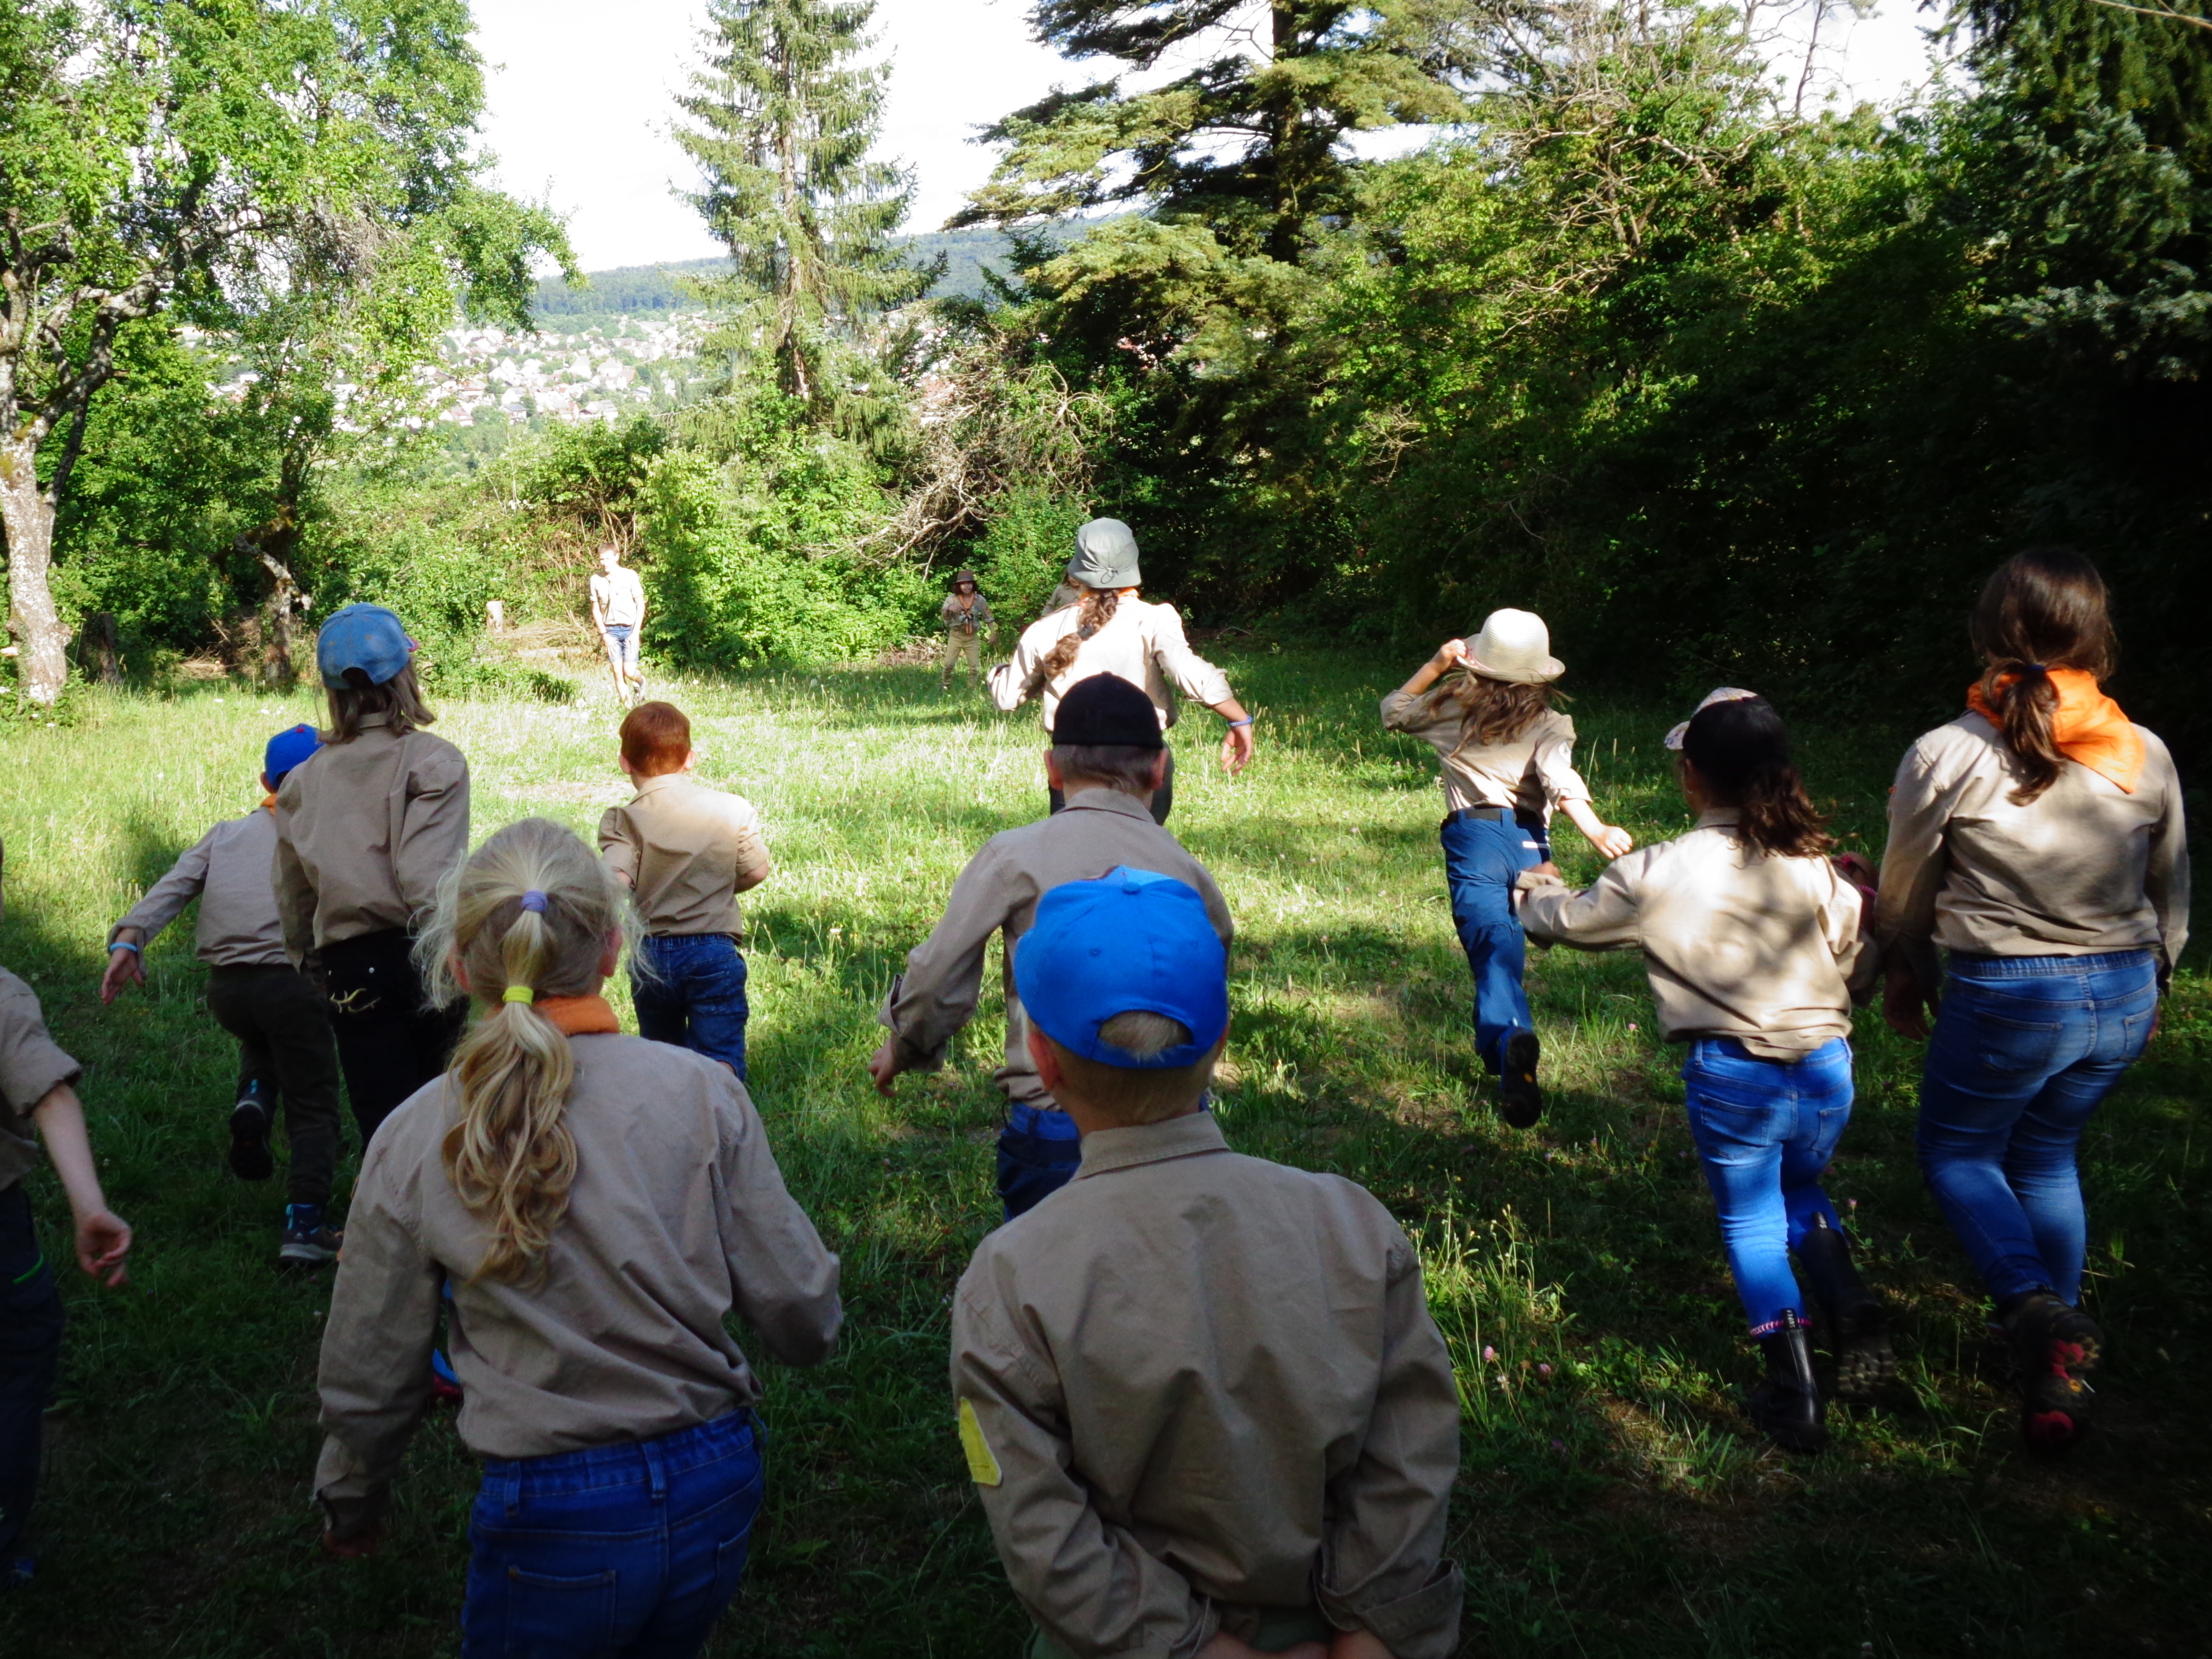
{"x":656,"y":288}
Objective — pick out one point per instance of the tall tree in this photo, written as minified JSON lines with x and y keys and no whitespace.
{"x":783,"y":119}
{"x":1245,"y":141}
{"x":151,"y":154}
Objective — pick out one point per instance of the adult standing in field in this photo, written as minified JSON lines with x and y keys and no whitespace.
{"x":1109,"y":630}
{"x":2039,"y":838}
{"x":619,"y":612}
{"x":965,"y":614}
{"x":366,"y":828}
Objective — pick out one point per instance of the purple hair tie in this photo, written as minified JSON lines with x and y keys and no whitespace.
{"x":534,"y":900}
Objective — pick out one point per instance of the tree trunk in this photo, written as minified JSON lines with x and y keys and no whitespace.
{"x":28,"y":517}
{"x":96,"y":652}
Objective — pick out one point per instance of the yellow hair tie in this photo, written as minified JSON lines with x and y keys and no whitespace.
{"x":519,"y":993}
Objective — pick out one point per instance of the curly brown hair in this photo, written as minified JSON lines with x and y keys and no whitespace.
{"x":1092,"y":612}
{"x":1492,"y":711}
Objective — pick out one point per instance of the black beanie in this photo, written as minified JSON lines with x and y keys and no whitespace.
{"x":1106,"y":711}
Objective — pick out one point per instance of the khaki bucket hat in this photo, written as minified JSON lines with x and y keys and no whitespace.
{"x":1721,"y":694}
{"x":1515,"y":646}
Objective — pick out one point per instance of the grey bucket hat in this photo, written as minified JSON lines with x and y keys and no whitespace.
{"x":1105,"y":555}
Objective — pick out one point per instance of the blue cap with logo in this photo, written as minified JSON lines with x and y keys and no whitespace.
{"x":1132,"y":941}
{"x":286,"y":750}
{"x":364,"y":636}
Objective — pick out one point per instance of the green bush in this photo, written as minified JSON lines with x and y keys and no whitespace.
{"x":1023,"y":552}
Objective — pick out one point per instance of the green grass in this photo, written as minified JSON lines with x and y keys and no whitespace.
{"x":1613,"y":1506}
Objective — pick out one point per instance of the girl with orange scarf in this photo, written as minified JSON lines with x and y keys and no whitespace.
{"x":2039,"y":838}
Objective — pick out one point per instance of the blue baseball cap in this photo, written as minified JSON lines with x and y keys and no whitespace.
{"x":364,"y":636}
{"x":1133,"y":941}
{"x":286,"y":750}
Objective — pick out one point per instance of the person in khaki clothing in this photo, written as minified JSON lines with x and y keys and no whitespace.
{"x":601,"y":1205}
{"x":1201,"y":1394}
{"x":1108,"y":758}
{"x":965,"y":615}
{"x":686,"y":851}
{"x":365,"y":829}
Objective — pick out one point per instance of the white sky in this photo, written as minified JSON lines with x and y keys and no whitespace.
{"x":581,"y":94}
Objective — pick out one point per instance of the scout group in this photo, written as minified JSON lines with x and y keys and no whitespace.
{"x":1201,"y":1394}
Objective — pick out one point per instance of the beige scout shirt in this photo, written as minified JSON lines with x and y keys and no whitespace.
{"x":678,"y":1216}
{"x":230,"y":871}
{"x":1765,"y":950}
{"x":365,"y":831}
{"x":687,"y":851}
{"x":1098,"y":830}
{"x":1535,"y":773}
{"x":1142,"y":642}
{"x":620,"y":597}
{"x":1204,"y":1384}
{"x":31,"y":1067}
{"x":2084,"y":868}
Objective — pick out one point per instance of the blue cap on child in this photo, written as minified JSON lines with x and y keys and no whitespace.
{"x":364,"y":636}
{"x":1132,"y":941}
{"x":286,"y":750}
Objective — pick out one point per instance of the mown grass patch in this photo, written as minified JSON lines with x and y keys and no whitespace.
{"x":1613,"y":1502}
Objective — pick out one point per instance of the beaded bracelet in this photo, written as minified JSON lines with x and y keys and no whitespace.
{"x":1247,"y":721}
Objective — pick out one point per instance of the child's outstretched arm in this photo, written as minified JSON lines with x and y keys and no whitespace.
{"x":103,"y":1239}
{"x":1449,"y":655}
{"x":1609,"y":839}
{"x":1600,"y":917}
{"x":164,"y":901}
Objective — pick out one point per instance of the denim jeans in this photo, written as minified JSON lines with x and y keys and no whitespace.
{"x":30,"y":1345}
{"x":2024,"y":1049}
{"x":631,"y":1549}
{"x":696,"y":995}
{"x":1765,"y":1130}
{"x":1038,"y":1152}
{"x":1482,"y":855}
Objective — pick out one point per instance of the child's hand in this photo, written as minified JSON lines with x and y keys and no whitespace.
{"x":124,"y":968}
{"x":1611,"y":840}
{"x":103,"y":1239}
{"x":1903,"y":1004}
{"x":883,"y":1068}
{"x":1449,"y":655}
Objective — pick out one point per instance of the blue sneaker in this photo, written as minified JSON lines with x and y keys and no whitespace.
{"x":309,"y":1240}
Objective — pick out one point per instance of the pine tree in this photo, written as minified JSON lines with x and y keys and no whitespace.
{"x":1245,"y":142}
{"x":782,"y":123}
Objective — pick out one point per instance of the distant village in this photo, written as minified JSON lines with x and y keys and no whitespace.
{"x":594,"y":374}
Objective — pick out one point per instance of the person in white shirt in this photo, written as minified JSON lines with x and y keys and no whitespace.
{"x":619,"y":612}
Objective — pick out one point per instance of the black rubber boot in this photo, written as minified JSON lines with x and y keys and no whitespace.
{"x":1786,"y":1408}
{"x":1520,"y":1102}
{"x":1854,"y":1320}
{"x":2056,"y":1346}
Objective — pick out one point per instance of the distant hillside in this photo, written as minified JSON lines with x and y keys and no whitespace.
{"x":653,"y":289}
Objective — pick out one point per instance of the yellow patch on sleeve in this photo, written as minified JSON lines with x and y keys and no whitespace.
{"x":982,"y":1467}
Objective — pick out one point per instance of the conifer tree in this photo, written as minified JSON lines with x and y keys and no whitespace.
{"x":783,"y":120}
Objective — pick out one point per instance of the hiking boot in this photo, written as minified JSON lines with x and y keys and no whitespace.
{"x":1786,"y":1406}
{"x":1520,"y":1102}
{"x":1854,"y":1318}
{"x":309,"y":1240}
{"x":249,"y":1134}
{"x":2056,"y":1346}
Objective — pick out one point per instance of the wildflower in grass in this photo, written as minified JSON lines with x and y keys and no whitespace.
{"x":1490,"y":1356}
{"x":1543,"y":1370}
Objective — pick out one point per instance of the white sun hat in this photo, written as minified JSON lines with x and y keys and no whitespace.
{"x":1725,"y":694}
{"x":1515,"y":646}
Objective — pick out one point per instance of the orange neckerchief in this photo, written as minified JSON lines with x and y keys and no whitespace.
{"x":578,"y":1016}
{"x":2088,"y":726}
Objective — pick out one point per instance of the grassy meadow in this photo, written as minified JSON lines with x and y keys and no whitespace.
{"x":1613,"y":1502}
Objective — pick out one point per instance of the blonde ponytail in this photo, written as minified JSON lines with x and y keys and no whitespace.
{"x":530,"y":915}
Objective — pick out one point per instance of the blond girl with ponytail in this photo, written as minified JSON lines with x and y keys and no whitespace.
{"x":601,"y":1205}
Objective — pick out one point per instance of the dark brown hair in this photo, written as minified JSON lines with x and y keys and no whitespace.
{"x":1741,"y":751}
{"x":359,"y":700}
{"x":2041,"y":609}
{"x":656,"y":737}
{"x":1493,"y":711}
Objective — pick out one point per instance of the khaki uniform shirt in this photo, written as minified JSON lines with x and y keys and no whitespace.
{"x":687,"y":851}
{"x":1193,"y":1385}
{"x":2084,"y":868}
{"x":365,"y":832}
{"x":31,"y":1067}
{"x":959,"y":619}
{"x":1535,"y":773}
{"x":621,"y":597}
{"x":231,"y":870}
{"x":1097,"y":830}
{"x":1142,"y":643}
{"x":678,"y":1216}
{"x":1768,"y":950}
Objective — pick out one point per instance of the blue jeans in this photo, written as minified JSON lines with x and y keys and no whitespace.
{"x":2024,"y":1049}
{"x":631,"y":1549}
{"x":1482,"y":856}
{"x":1038,"y":1152}
{"x":30,"y":1347}
{"x":621,"y":646}
{"x":1765,"y":1130}
{"x":696,"y":995}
